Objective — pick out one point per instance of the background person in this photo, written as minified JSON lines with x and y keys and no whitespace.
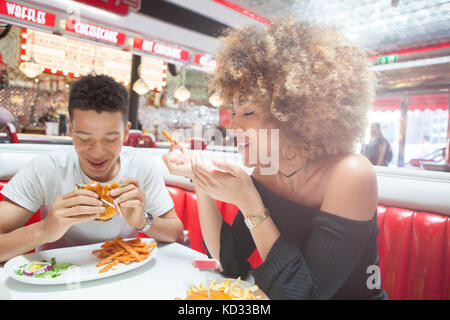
{"x":379,"y":150}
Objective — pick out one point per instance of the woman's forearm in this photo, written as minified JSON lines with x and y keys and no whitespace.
{"x":210,"y":221}
{"x":266,"y":233}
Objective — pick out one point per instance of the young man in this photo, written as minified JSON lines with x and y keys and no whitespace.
{"x":98,"y":110}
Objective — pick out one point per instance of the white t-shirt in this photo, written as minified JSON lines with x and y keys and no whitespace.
{"x":48,"y":176}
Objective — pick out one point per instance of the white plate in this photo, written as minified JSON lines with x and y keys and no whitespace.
{"x":81,"y":256}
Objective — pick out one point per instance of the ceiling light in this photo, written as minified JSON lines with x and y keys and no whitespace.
{"x":30,"y":68}
{"x":182,"y":94}
{"x":140,"y":87}
{"x":215,"y":100}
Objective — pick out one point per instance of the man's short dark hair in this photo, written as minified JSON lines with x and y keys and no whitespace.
{"x":99,"y":93}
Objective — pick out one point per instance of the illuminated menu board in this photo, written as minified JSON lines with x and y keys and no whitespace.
{"x":66,"y":56}
{"x":60,"y":55}
{"x":153,"y":71}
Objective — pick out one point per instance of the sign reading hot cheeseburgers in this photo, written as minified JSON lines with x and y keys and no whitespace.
{"x":160,"y":49}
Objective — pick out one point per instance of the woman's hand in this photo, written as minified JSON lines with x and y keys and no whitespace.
{"x":226,"y":182}
{"x":178,"y":161}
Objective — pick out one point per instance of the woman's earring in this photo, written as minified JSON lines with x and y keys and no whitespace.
{"x":288,"y":155}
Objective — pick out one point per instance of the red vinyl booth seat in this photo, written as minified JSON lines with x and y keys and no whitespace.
{"x":414,"y":250}
{"x":414,"y":247}
{"x":36,"y":216}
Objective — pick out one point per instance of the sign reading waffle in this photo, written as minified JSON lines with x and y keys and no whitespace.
{"x":121,"y":7}
{"x":160,"y":49}
{"x":62,"y":55}
{"x":95,"y":32}
{"x":27,"y":14}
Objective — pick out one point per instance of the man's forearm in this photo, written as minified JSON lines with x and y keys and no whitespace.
{"x":166,"y":229}
{"x":21,"y":240}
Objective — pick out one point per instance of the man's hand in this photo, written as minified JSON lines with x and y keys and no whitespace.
{"x":131,"y":200}
{"x":70,"y":209}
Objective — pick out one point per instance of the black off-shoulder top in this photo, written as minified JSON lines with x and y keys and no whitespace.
{"x":318,"y":255}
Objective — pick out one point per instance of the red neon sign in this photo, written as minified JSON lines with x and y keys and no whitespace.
{"x":27,"y":14}
{"x":205,"y":61}
{"x":96,"y":32}
{"x":247,"y":12}
{"x":160,"y":49}
{"x":121,"y":7}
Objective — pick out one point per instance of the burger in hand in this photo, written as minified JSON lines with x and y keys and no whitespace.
{"x":104,"y":193}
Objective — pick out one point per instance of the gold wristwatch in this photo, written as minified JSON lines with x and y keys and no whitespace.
{"x":253,"y":221}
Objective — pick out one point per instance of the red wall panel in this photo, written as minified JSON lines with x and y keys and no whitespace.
{"x":178,"y":196}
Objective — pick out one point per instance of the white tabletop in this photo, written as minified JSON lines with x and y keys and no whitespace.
{"x":166,"y":277}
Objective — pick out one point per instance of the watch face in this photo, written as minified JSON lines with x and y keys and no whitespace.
{"x":249,"y":222}
{"x":149,"y":218}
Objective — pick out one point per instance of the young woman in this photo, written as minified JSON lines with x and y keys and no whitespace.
{"x":314,"y":220}
{"x":379,"y":150}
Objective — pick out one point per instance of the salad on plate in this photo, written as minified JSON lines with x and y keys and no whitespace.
{"x":43,"y":269}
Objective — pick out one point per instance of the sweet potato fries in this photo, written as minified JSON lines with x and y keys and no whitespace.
{"x":120,"y":251}
{"x":166,"y":134}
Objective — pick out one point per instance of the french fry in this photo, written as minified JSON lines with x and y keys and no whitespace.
{"x":107,"y":259}
{"x":106,"y":268}
{"x":127,"y":247}
{"x":166,"y":134}
{"x":117,"y":251}
{"x":152,"y":244}
{"x":233,"y":289}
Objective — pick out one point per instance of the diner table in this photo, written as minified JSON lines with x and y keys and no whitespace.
{"x":167,"y":276}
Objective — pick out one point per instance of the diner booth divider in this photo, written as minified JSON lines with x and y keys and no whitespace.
{"x":413,"y":244}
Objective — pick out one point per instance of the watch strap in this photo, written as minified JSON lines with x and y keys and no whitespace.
{"x":148,"y":222}
{"x":253,"y":221}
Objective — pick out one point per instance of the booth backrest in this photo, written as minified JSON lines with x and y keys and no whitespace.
{"x":414,"y":247}
{"x":414,"y":251}
{"x":34,"y":218}
{"x":186,"y":207}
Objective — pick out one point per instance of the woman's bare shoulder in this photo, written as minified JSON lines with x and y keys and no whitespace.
{"x":357,"y":163}
{"x":350,"y":187}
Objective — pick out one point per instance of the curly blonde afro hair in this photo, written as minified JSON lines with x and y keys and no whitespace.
{"x":313,"y":84}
